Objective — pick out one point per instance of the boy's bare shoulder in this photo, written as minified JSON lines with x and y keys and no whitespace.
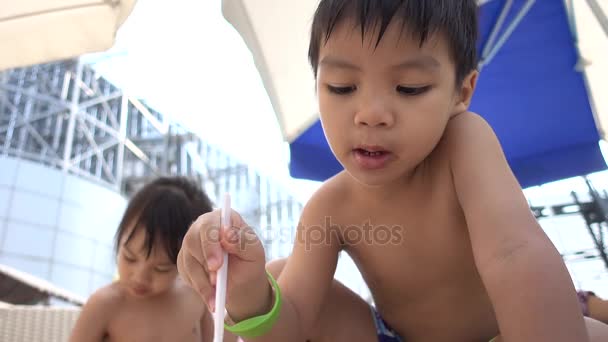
{"x":467,"y":126}
{"x":97,"y":313}
{"x":464,"y":133}
{"x":329,"y":196}
{"x":107,"y":297}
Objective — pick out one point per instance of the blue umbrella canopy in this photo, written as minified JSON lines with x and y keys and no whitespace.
{"x":540,"y":65}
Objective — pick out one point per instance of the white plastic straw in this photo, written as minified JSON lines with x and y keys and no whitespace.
{"x":222,"y":276}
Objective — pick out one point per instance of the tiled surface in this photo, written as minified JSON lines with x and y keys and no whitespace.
{"x":5,"y":193}
{"x":76,"y":219}
{"x":29,"y":240}
{"x":104,"y":259}
{"x":109,"y":219}
{"x":8,"y":167}
{"x":3,"y":224}
{"x":95,"y":221}
{"x":34,"y":208}
{"x":71,"y":278}
{"x":29,"y":178}
{"x":74,"y":250}
{"x":77,"y":190}
{"x":57,"y":218}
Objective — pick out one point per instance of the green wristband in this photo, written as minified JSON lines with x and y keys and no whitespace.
{"x":259,"y":325}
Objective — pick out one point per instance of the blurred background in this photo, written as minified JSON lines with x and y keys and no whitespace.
{"x":186,"y":88}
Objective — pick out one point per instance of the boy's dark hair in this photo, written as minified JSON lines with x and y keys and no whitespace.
{"x":457,"y":19}
{"x":165,"y":208}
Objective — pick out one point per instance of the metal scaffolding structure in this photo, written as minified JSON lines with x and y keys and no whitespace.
{"x":66,"y":116}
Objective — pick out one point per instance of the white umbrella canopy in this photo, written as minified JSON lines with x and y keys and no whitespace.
{"x":40,"y":31}
{"x":592,"y":33}
{"x":277,"y":33}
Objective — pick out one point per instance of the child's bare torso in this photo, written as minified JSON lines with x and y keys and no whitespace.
{"x":172,"y":317}
{"x":424,"y":280}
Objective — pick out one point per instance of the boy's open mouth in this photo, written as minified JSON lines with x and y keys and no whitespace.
{"x":371,"y":150}
{"x":371,"y":157}
{"x":370,"y":153}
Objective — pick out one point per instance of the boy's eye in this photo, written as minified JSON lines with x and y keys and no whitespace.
{"x":128,"y":259}
{"x":412,"y":91}
{"x":341,"y":90}
{"x":162,"y":270}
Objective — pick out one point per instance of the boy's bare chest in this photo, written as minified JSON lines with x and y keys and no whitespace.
{"x":426,"y":266}
{"x":156,"y":322}
{"x":412,"y":249}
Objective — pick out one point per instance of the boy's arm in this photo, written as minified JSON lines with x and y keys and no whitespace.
{"x":529,"y":286}
{"x":308,"y":274}
{"x":92,"y":322}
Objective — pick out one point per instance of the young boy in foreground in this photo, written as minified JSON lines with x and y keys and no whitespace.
{"x":426,"y":206}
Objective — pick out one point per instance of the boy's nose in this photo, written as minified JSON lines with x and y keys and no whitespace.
{"x":141,"y":277}
{"x":374,"y":116}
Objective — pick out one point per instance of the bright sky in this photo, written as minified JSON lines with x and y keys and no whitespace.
{"x":188,"y":62}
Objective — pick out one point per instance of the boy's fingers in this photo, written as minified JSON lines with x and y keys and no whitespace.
{"x":236,"y":220}
{"x":242,"y":242}
{"x":210,"y":240}
{"x":199,"y":279}
{"x":192,"y":242}
{"x":181,"y":269}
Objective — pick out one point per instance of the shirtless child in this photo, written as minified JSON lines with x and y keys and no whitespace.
{"x":468,"y":261}
{"x":150,"y":302}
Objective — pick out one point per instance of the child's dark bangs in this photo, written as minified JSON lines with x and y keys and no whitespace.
{"x":369,"y":16}
{"x":148,"y":242}
{"x":374,"y":17}
{"x":420,"y":19}
{"x":417,"y":18}
{"x":169,"y":210}
{"x":165,"y":209}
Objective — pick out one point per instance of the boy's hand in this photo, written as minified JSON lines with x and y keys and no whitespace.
{"x":248,"y":292}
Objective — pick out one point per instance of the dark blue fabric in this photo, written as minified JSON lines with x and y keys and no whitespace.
{"x":530,"y":94}
{"x":384,"y":332}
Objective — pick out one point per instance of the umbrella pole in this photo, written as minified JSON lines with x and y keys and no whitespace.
{"x":599,"y":15}
{"x":508,"y":31}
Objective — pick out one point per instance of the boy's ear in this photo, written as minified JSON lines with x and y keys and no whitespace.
{"x":465,"y":93}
